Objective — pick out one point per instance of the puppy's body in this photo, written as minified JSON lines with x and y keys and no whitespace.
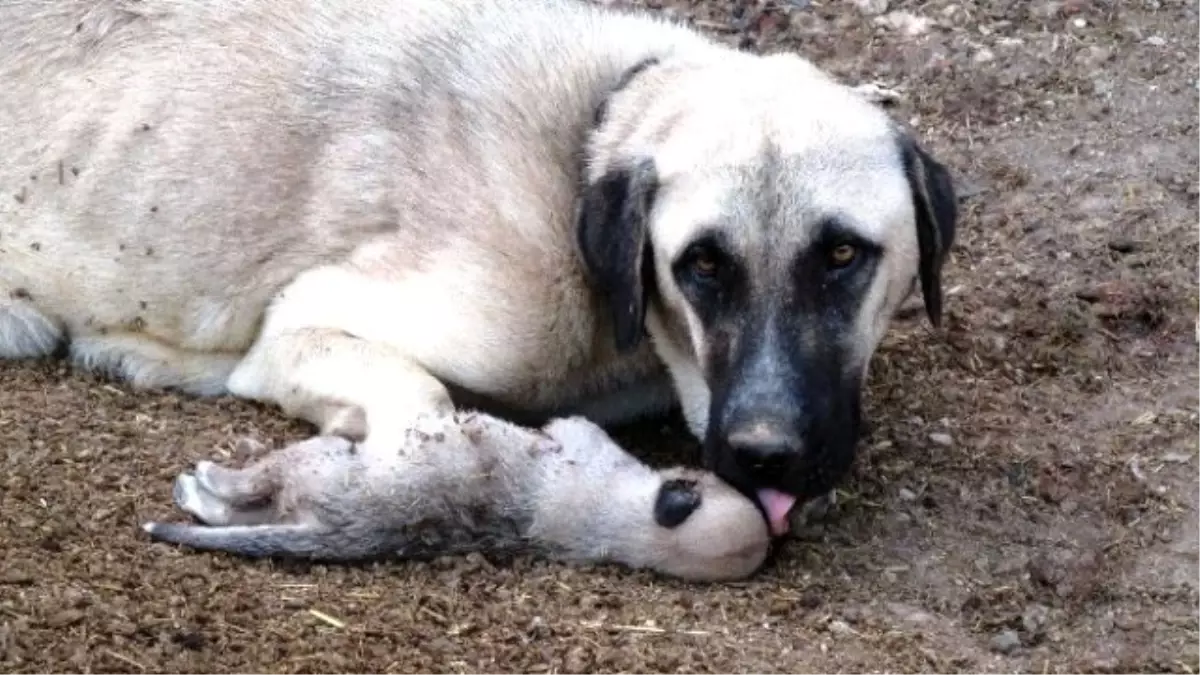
{"x":471,"y":482}
{"x":356,"y":208}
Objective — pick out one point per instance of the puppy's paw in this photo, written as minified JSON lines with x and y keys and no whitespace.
{"x":677,"y":499}
{"x":203,"y":473}
{"x":192,"y":498}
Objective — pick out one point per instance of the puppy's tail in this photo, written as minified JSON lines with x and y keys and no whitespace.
{"x":254,"y":541}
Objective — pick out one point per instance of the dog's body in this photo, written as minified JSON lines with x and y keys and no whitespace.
{"x":472,"y":482}
{"x":352,"y":209}
{"x":403,"y":212}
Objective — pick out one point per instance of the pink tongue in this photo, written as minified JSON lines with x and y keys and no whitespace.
{"x":777,"y":505}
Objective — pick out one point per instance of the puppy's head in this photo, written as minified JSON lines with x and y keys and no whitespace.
{"x":760,"y":223}
{"x":707,"y":531}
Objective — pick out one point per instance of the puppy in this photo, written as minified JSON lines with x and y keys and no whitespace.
{"x":457,"y":486}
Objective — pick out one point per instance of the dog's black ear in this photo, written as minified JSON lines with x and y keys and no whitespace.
{"x":611,"y":231}
{"x":937,"y":219}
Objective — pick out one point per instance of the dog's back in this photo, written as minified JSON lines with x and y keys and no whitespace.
{"x":176,"y":163}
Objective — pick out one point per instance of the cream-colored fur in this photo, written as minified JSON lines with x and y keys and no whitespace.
{"x":472,"y":482}
{"x":354,"y":208}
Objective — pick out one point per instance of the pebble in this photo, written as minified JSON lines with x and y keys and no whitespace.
{"x":1005,"y":642}
{"x":942,"y":439}
{"x":1093,"y":56}
{"x":871,"y":7}
{"x":839,"y":627}
{"x":1034,"y":619}
{"x":909,"y":613}
{"x":984,"y":55}
{"x":905,"y":23}
{"x":908,"y":495}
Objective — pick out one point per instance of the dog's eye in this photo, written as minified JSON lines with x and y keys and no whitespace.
{"x":705,"y":268}
{"x":705,"y":265}
{"x":842,"y":255}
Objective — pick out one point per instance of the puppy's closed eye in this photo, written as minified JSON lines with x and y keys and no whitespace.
{"x":677,"y":500}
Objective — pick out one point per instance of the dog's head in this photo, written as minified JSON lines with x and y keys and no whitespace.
{"x":760,"y":223}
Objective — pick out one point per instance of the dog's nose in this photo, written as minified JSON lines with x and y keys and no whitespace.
{"x":764,"y":451}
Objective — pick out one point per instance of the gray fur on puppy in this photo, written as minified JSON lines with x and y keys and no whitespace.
{"x":457,"y":486}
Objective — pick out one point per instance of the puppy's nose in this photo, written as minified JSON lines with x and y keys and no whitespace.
{"x":764,"y":450}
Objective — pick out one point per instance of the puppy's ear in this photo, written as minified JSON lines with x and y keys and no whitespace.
{"x":613,"y":239}
{"x":937,"y":219}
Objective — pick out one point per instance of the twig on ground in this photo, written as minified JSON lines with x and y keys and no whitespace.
{"x":336,"y":623}
{"x":124,"y":659}
{"x":626,"y":628}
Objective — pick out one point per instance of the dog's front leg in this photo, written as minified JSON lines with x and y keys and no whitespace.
{"x":346,"y":386}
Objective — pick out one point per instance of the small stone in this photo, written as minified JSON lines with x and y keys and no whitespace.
{"x":577,"y":661}
{"x":1156,"y":41}
{"x":905,"y":23}
{"x":909,"y":613}
{"x":67,"y":617}
{"x":1034,"y":619}
{"x":942,"y":439}
{"x":871,"y":7}
{"x":839,"y":627}
{"x":1005,"y":642}
{"x":984,"y":55}
{"x":1094,"y":56}
{"x":908,"y":495}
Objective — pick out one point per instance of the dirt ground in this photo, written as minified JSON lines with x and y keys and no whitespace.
{"x":1027,"y":499}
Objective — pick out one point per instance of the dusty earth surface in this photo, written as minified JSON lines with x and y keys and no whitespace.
{"x":1027,"y":499}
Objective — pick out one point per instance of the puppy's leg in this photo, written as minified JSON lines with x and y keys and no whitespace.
{"x":239,"y":488}
{"x":263,"y":480}
{"x":253,"y":540}
{"x":338,"y":381}
{"x":193,"y":499}
{"x":220,"y":495}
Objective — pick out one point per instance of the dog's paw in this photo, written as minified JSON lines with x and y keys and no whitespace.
{"x":190,"y":496}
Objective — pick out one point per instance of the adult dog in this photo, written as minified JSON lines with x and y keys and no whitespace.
{"x":363,"y":209}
